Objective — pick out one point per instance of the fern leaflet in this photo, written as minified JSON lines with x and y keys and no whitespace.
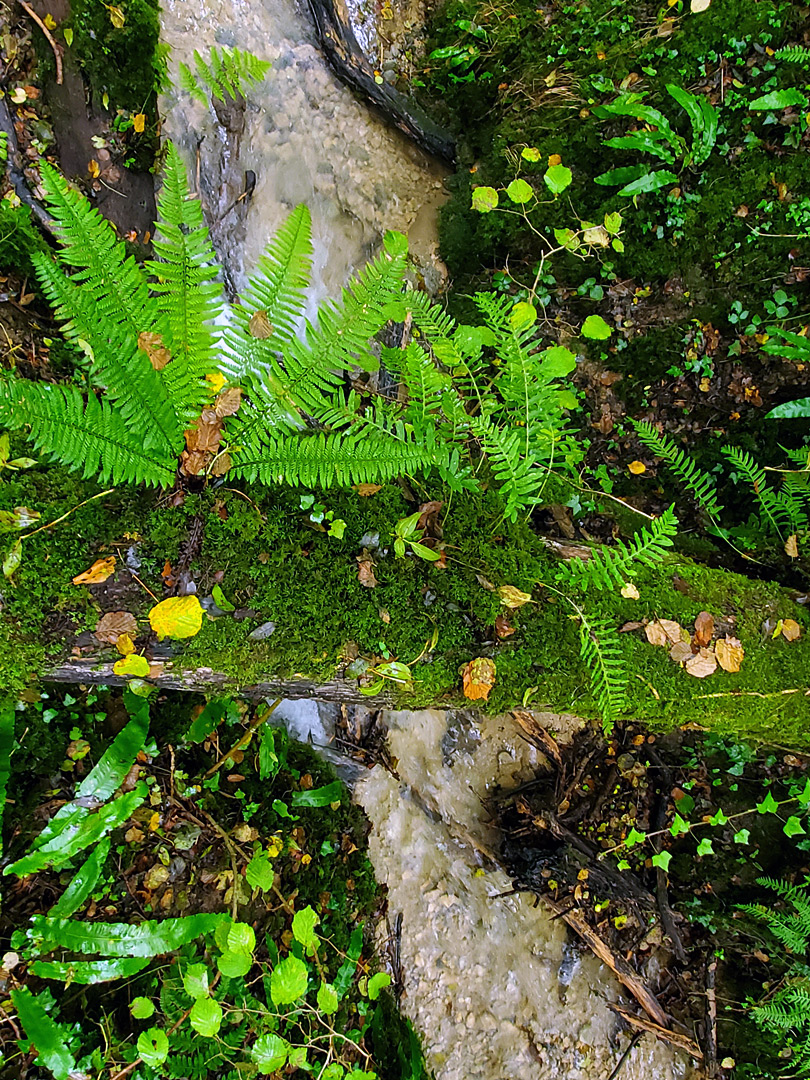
{"x":609,"y":567}
{"x":699,"y":484}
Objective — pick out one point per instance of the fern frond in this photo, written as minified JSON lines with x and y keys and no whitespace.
{"x":278,"y":290}
{"x":520,"y":481}
{"x":773,"y":507}
{"x":90,"y":437}
{"x":699,"y":484}
{"x":426,"y":385}
{"x":188,"y":294}
{"x":793,"y":54}
{"x":611,"y":567}
{"x":602,"y":654}
{"x":328,"y":460}
{"x":231,"y":72}
{"x":113,"y":279}
{"x":116,"y":363}
{"x":189,"y":82}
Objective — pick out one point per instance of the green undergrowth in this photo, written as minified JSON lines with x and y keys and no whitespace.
{"x":273,"y":565}
{"x":536,"y":82}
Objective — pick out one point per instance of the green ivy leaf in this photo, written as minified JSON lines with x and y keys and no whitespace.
{"x":270,"y":1053}
{"x":804,"y":798}
{"x":195,"y":980}
{"x":793,"y":827}
{"x":623,"y":864}
{"x":613,"y":222}
{"x":327,"y":998}
{"x":153,"y":1046}
{"x":377,"y":983}
{"x":679,"y":826}
{"x":596,"y":328}
{"x":557,"y":178}
{"x":206,"y":1016}
{"x":520,"y":192}
{"x":769,"y":805}
{"x":142,"y":1008}
{"x":289,"y":980}
{"x":719,"y":818}
{"x":662,"y":859}
{"x":484,"y":199}
{"x":303,"y":928}
{"x":705,"y":847}
{"x":742,"y":836}
{"x":635,"y":837}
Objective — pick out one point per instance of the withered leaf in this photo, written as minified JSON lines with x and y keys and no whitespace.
{"x":125,"y":644}
{"x":367,"y":489}
{"x":503,"y":628}
{"x":478,"y":678}
{"x":630,"y":592}
{"x":98,"y":572}
{"x":791,"y":629}
{"x":259,"y":326}
{"x":115,"y":623}
{"x":637,"y":468}
{"x":625,"y":628}
{"x":192,"y":464}
{"x":729,"y":653}
{"x":704,"y":628}
{"x":206,"y":432}
{"x":513,"y":598}
{"x":681,"y":652}
{"x":701,"y":665}
{"x":485,"y":583}
{"x":365,"y":570}
{"x":792,"y":547}
{"x":156,"y":876}
{"x":152,"y":344}
{"x":221,"y":465}
{"x":665,"y":632}
{"x":228,"y":402}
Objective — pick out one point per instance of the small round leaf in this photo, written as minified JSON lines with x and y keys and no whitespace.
{"x":270,"y":1053}
{"x":289,"y":980}
{"x":596,"y":328}
{"x":153,"y":1046}
{"x":484,"y":199}
{"x":520,"y":192}
{"x":206,"y":1016}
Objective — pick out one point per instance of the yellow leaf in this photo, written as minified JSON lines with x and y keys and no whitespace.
{"x":68,"y":32}
{"x":98,"y":572}
{"x":50,"y":21}
{"x":478,"y":677}
{"x":665,"y":632}
{"x":93,"y":168}
{"x":791,"y":629}
{"x":125,"y":644}
{"x":138,"y":122}
{"x":729,"y":653}
{"x":18,"y":95}
{"x":216,"y":381}
{"x":699,"y":5}
{"x":117,"y":17}
{"x":792,"y":547}
{"x":512,"y":597}
{"x":637,"y":468}
{"x":177,"y":617}
{"x":630,"y":592}
{"x":135,"y":665}
{"x":553,"y":160}
{"x":154,"y":822}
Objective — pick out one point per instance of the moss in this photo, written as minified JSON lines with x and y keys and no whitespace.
{"x":18,"y":239}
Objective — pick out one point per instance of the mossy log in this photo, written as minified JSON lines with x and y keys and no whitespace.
{"x":345,"y":57}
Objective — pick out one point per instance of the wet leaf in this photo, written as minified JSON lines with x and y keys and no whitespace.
{"x":98,"y":572}
{"x":177,"y":617}
{"x":93,"y":168}
{"x":791,"y":629}
{"x":153,"y":1046}
{"x":206,"y":1016}
{"x":269,"y":1052}
{"x":152,"y":344}
{"x":704,"y":628}
{"x":703,"y":664}
{"x":729,"y":653}
{"x":513,"y":598}
{"x":478,"y":678}
{"x":115,"y":623}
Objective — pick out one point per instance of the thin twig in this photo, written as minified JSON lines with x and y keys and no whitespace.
{"x":50,"y":524}
{"x":639,"y":1035}
{"x":243,"y":742}
{"x":57,"y":49}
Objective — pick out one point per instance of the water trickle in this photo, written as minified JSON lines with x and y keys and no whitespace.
{"x":306,"y":138}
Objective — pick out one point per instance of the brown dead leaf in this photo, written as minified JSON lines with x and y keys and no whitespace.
{"x":513,"y":598}
{"x":365,"y":570}
{"x":367,"y":489}
{"x":681,"y":652}
{"x":503,"y":628}
{"x":625,"y":628}
{"x":791,"y":629}
{"x":702,"y":664}
{"x":206,"y":432}
{"x":792,"y":547}
{"x":260,"y":326}
{"x":168,"y":575}
{"x":245,"y":833}
{"x":478,"y":678}
{"x":134,"y":835}
{"x":228,"y":402}
{"x":630,"y":592}
{"x":704,"y":628}
{"x":98,"y":572}
{"x":193,"y":463}
{"x":429,"y":519}
{"x":665,"y":632}
{"x":221,"y":465}
{"x":729,"y":653}
{"x":485,"y":583}
{"x":152,"y":344}
{"x":115,"y":623}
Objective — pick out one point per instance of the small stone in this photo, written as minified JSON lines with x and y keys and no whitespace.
{"x":263,"y":631}
{"x":390,"y":77}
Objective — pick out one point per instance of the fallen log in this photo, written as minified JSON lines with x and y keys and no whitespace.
{"x":345,"y":57}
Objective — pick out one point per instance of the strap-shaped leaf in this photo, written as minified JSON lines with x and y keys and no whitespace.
{"x":6,"y":746}
{"x":121,"y":939}
{"x":52,"y":1050}
{"x":87,"y":972}
{"x":73,"y":839}
{"x":83,"y":883}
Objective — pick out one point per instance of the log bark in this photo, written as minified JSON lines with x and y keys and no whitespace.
{"x":345,"y":57}
{"x":205,"y":681}
{"x":15,"y":170}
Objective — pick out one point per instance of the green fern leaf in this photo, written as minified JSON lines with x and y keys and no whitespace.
{"x":752,"y":472}
{"x":611,"y":567}
{"x":699,"y":484}
{"x":602,"y":654}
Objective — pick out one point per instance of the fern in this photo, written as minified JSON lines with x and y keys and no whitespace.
{"x":230,"y":72}
{"x":779,"y":508}
{"x":611,"y":567}
{"x":699,"y":484}
{"x":601,"y":653}
{"x":793,"y":54}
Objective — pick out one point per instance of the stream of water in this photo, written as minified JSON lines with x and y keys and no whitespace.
{"x":494,"y":986}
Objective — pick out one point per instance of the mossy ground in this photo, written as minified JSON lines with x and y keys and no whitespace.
{"x":273,"y":566}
